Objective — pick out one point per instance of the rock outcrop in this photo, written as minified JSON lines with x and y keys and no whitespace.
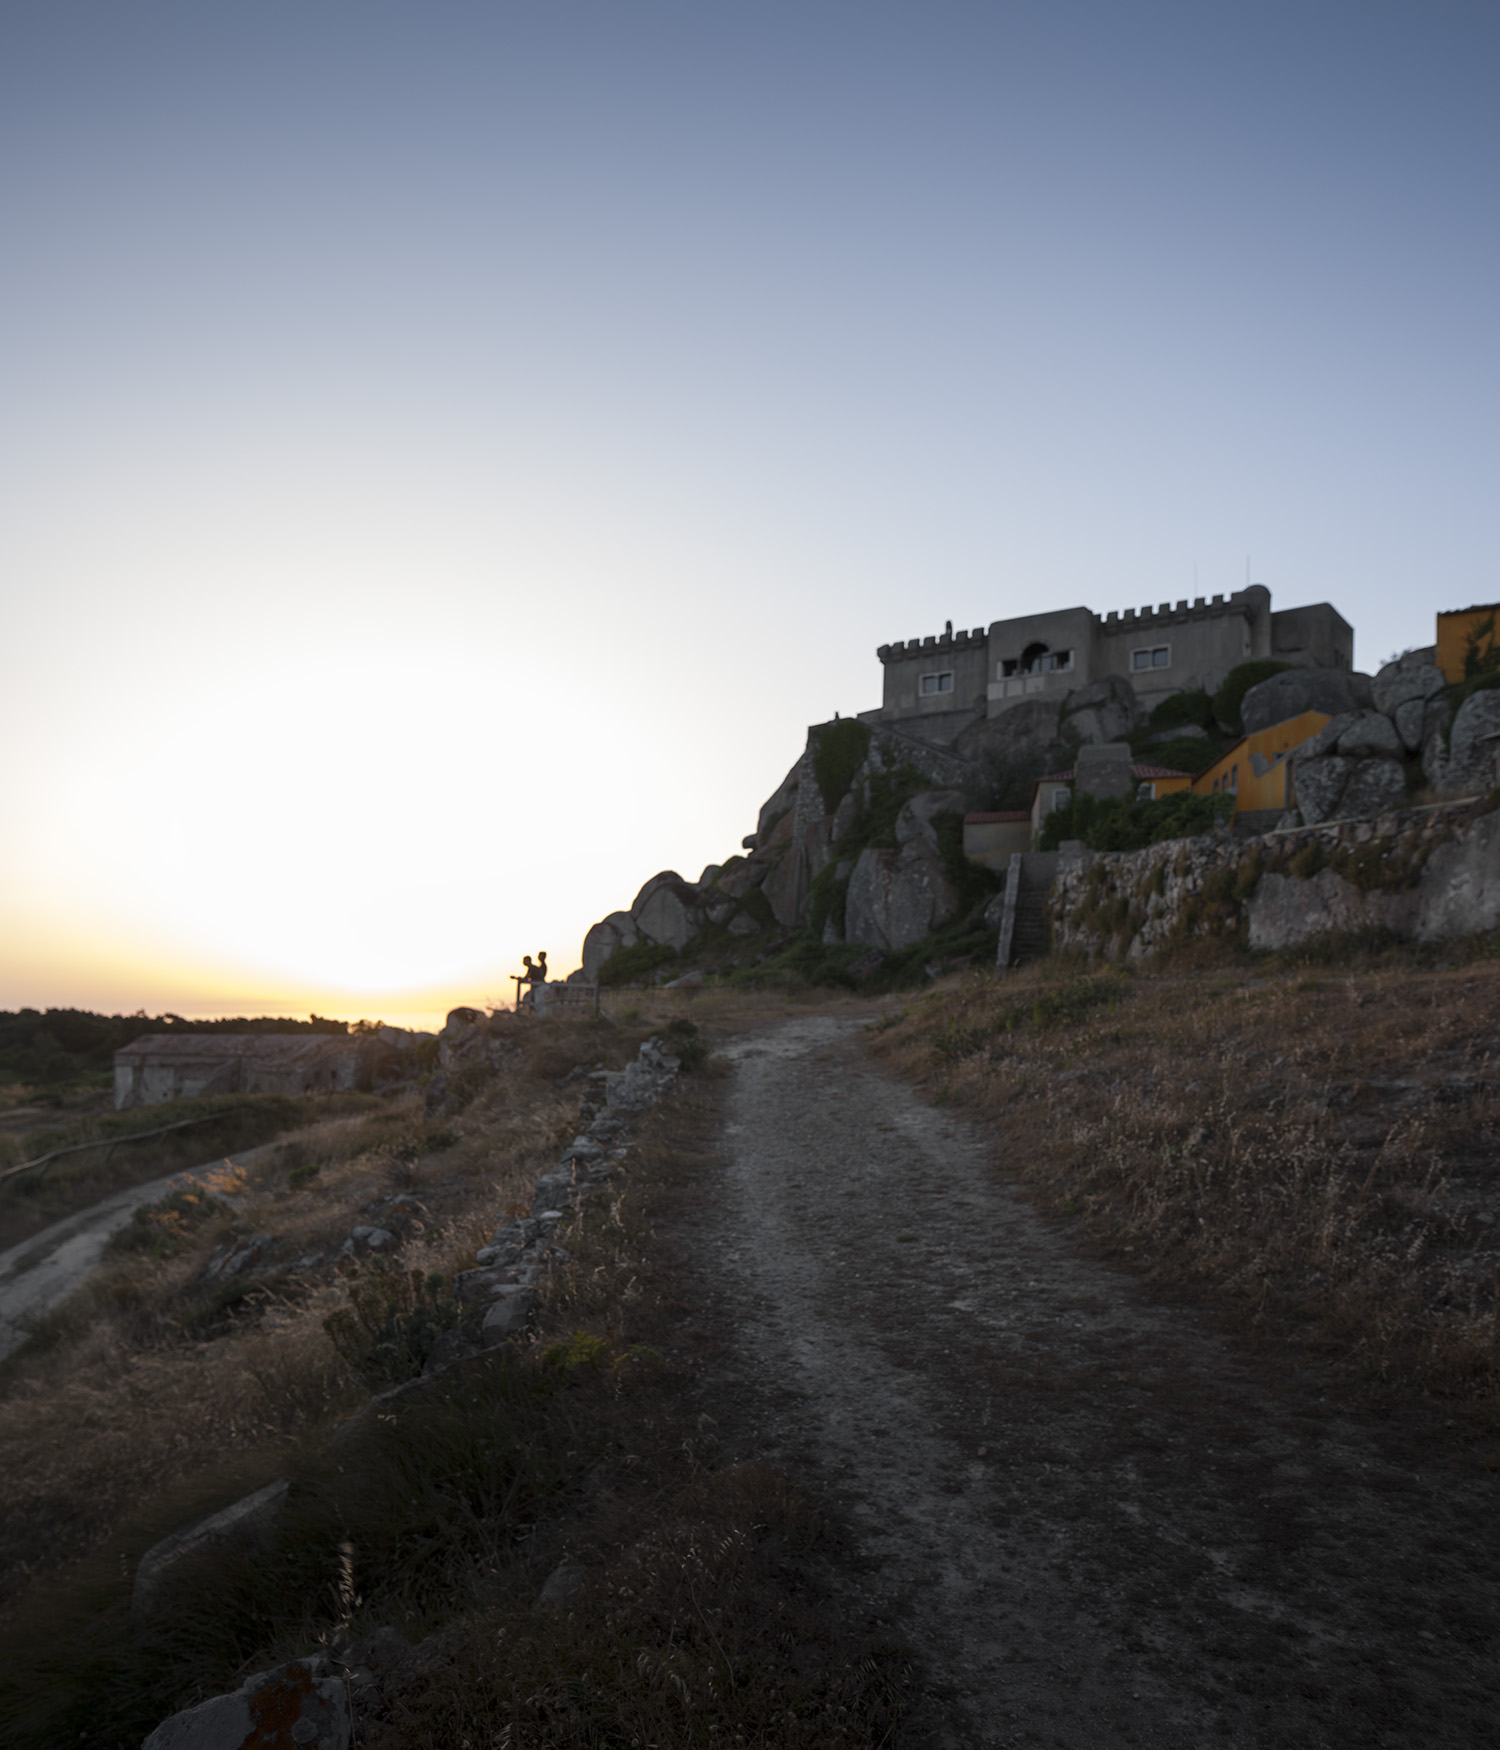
{"x":849,"y":843}
{"x":1427,"y":875}
{"x":1296,"y":690}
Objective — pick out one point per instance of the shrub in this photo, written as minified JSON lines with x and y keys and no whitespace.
{"x":1192,"y":705}
{"x":1117,"y":824}
{"x":393,"y":1319}
{"x":634,"y":965}
{"x":1237,"y":683}
{"x":839,"y":750}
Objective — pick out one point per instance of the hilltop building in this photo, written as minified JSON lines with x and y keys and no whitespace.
{"x":180,"y":1066}
{"x":937,"y":686}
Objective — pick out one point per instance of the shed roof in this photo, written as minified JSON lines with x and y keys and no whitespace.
{"x":1136,"y":771}
{"x":267,"y":1047}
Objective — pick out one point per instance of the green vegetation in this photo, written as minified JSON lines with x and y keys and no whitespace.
{"x":394,"y":1317}
{"x":1481,"y":652}
{"x":839,"y":750}
{"x":1237,"y":683}
{"x":635,"y":965}
{"x":1481,"y":664}
{"x":160,"y":1230}
{"x":1118,"y":824}
{"x":52,"y":1046}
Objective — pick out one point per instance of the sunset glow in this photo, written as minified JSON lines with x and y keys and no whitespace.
{"x":450,"y":455}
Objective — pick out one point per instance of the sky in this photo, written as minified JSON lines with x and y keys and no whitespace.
{"x":450,"y":452}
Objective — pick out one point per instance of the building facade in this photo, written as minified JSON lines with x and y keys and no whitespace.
{"x":937,"y":685}
{"x":181,"y":1066}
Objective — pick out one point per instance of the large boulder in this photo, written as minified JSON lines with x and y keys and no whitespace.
{"x":1371,"y":735}
{"x":1375,"y":787}
{"x":896,"y":898}
{"x":917,"y":815}
{"x":1285,"y":911}
{"x":609,"y":934}
{"x":1409,"y":717}
{"x":1103,"y":711}
{"x":1320,"y":785}
{"x":1330,"y":690}
{"x":738,"y":876}
{"x":786,"y":887}
{"x":778,"y":803}
{"x":1022,"y":734}
{"x":298,"y":1703}
{"x":1463,"y":761}
{"x":666,"y":911}
{"x":1460,"y":886}
{"x":1403,"y":681}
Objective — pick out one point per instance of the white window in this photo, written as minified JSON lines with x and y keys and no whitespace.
{"x":937,"y":683}
{"x":1145,"y":792}
{"x":1061,"y":799}
{"x":1160,"y":657}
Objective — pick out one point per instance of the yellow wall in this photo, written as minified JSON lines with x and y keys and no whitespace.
{"x":1160,"y":787}
{"x":1236,"y":770}
{"x":1454,"y":631}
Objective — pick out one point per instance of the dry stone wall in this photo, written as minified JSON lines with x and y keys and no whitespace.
{"x":1427,"y":875}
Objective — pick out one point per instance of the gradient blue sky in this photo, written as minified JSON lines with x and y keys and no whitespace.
{"x":450,"y":452}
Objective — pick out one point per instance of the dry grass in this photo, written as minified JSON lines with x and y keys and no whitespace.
{"x":151,"y":1395}
{"x":702,"y":1619}
{"x":1315,"y":1152}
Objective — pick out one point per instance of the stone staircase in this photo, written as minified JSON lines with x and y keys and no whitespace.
{"x":1024,"y":933}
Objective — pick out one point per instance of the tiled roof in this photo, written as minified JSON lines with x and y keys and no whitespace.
{"x":1135,"y":772}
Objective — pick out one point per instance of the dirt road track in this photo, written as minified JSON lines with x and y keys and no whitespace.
{"x":44,"y":1270}
{"x":1096,"y":1521}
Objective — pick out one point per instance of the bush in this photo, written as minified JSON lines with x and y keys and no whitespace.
{"x":1192,"y":705}
{"x":1117,"y":824}
{"x":839,"y":750}
{"x":635,"y":965}
{"x":392,"y":1321}
{"x":1237,"y":683}
{"x":691,"y":1052}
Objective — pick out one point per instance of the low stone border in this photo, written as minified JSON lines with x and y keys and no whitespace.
{"x":308,"y":1702}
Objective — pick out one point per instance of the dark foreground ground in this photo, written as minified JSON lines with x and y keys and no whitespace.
{"x":1096,"y":1520}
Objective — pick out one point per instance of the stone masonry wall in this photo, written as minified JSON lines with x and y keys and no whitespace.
{"x":1426,"y":874}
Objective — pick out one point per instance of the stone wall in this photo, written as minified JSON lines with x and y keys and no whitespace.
{"x":1425,"y":874}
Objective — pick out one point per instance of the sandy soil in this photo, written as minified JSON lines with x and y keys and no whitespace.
{"x":1098,"y":1520}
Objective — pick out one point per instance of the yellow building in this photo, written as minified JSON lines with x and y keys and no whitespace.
{"x":1257,"y":770}
{"x":1463,"y":630}
{"x":1055,"y":790}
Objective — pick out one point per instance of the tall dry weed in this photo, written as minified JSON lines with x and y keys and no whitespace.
{"x":1316,"y":1156}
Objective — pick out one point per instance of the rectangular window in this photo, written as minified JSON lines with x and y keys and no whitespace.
{"x":1061,"y":799}
{"x":933,"y":684}
{"x":1160,"y":657}
{"x":1145,"y":792}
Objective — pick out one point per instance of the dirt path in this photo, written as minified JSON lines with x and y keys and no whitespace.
{"x":1097,"y":1522}
{"x":44,"y":1270}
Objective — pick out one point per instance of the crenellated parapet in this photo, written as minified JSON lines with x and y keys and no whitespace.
{"x":1255,"y":599}
{"x":933,"y":645}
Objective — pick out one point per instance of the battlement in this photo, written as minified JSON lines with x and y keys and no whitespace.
{"x":948,"y":679}
{"x":1133,"y":620}
{"x":932,"y":645}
